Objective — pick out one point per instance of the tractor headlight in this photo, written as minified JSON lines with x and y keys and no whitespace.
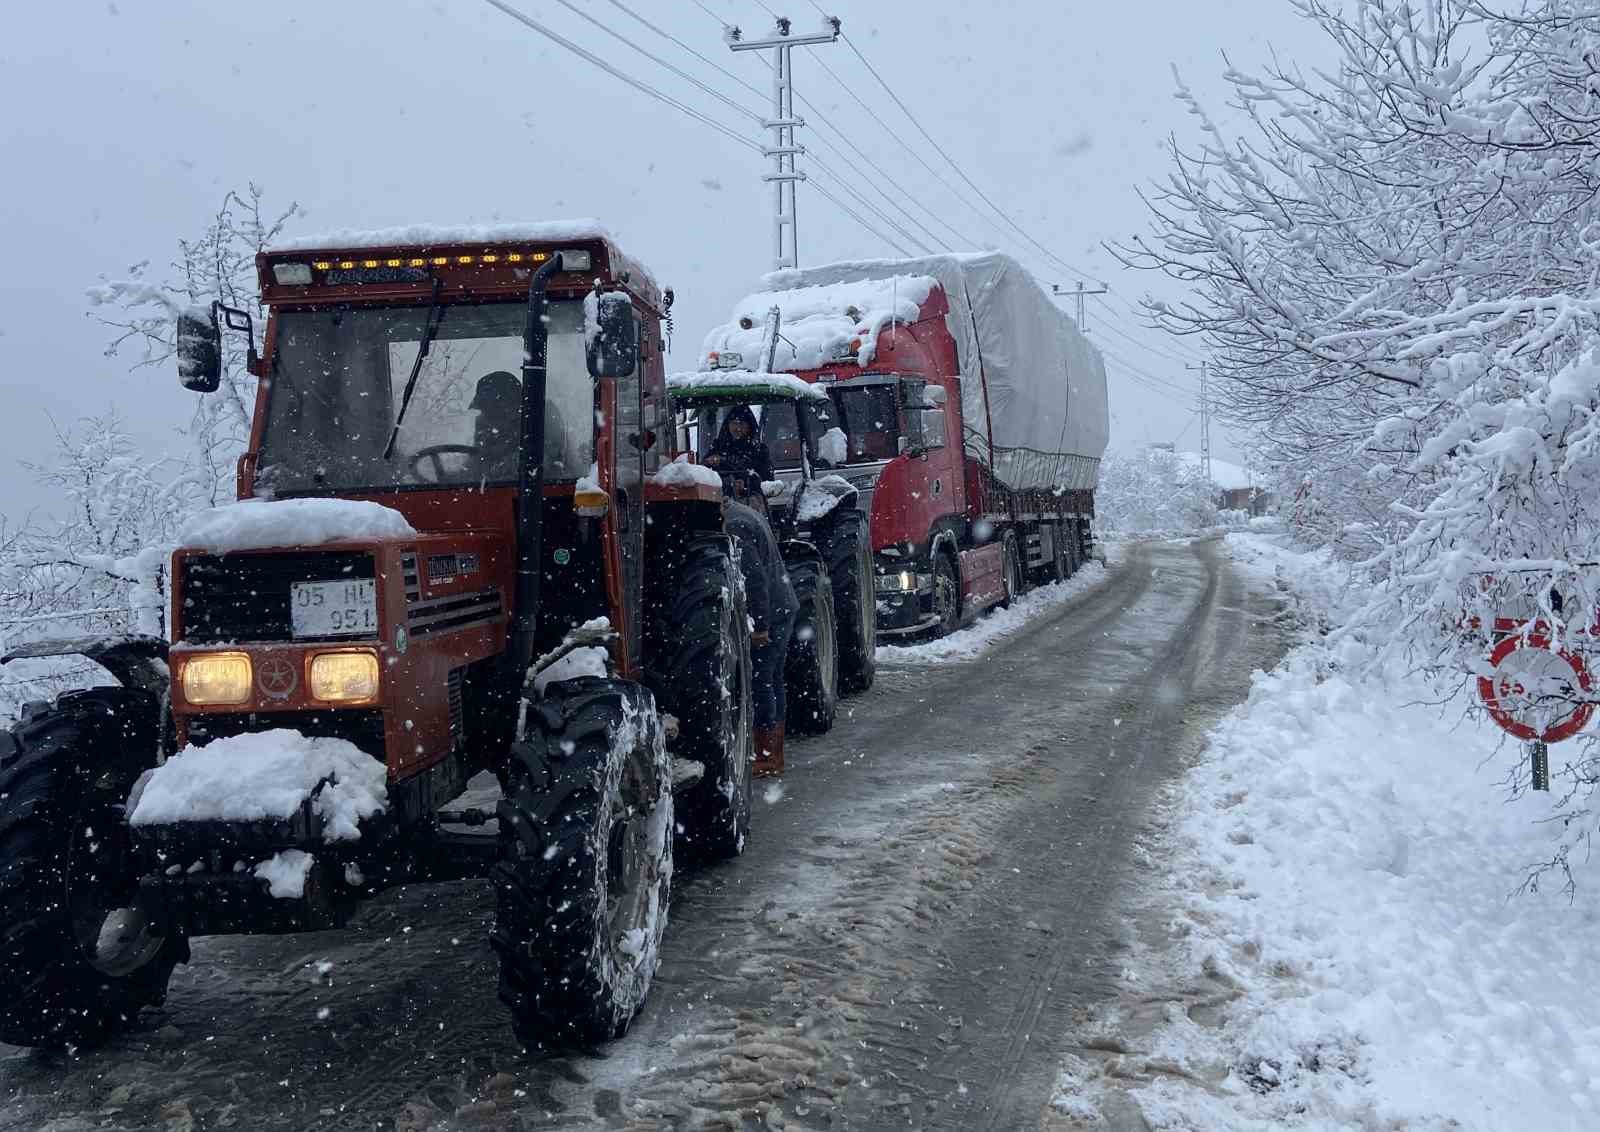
{"x":217,"y":678}
{"x":344,"y":677}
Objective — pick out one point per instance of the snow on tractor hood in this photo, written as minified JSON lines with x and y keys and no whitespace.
{"x":819,"y":323}
{"x":261,"y":524}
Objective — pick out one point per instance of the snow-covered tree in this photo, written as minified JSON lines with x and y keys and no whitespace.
{"x":1395,"y":270}
{"x":218,"y":266}
{"x":1151,"y":489}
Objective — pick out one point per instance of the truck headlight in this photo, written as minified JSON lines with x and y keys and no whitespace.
{"x":904,"y":581}
{"x":217,"y":678}
{"x":344,"y":677}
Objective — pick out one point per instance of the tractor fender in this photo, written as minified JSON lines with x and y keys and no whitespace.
{"x":135,"y":661}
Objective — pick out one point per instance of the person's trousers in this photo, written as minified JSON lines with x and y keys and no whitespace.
{"x":766,"y":660}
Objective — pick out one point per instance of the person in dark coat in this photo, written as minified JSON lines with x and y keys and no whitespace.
{"x":772,"y":607}
{"x":738,"y":448}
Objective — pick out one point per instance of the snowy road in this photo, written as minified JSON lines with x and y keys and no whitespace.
{"x":927,"y":904}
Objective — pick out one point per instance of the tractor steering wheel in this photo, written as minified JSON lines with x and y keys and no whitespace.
{"x":434,"y":452}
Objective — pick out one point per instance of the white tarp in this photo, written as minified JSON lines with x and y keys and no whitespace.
{"x":1026,"y":369}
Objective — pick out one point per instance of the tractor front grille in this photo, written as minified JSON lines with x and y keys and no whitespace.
{"x":361,"y":726}
{"x":245,"y":597}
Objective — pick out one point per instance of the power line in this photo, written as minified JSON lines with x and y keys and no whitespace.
{"x":667,"y":99}
{"x":642,"y":87}
{"x":906,"y":110}
{"x":852,"y":214}
{"x":682,"y":74}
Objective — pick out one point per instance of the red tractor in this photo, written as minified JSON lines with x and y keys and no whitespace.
{"x":451,"y":558}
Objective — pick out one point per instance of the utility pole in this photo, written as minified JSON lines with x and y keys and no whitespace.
{"x":1205,"y":418}
{"x":1057,"y":289}
{"x":783,"y":123}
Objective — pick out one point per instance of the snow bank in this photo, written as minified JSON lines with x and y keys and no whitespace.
{"x":427,"y":235}
{"x":681,"y":473}
{"x":1345,"y":855}
{"x":977,"y":639}
{"x":819,"y":322}
{"x":258,"y":524}
{"x":266,"y":775}
{"x":778,"y":385}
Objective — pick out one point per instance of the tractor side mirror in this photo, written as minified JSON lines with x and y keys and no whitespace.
{"x":611,"y":334}
{"x":199,"y":350}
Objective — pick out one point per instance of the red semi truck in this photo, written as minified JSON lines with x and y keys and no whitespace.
{"x":967,"y":409}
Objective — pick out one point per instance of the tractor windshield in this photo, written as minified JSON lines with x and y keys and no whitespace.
{"x":337,"y":380}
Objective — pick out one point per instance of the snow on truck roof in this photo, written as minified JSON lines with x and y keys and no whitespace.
{"x":820,"y":322}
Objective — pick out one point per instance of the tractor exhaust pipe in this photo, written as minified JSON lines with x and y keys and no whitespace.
{"x":530,"y":480}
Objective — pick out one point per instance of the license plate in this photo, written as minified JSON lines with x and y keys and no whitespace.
{"x":334,"y":609}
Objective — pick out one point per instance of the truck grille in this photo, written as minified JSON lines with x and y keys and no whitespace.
{"x":245,"y":597}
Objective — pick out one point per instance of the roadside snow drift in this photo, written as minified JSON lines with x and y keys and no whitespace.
{"x":1348,"y":858}
{"x":265,"y":775}
{"x":261,"y":524}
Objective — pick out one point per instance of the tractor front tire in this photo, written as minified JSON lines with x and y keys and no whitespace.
{"x":708,"y":688}
{"x":811,"y":668}
{"x":78,"y":957}
{"x":585,"y":868}
{"x":847,"y":547}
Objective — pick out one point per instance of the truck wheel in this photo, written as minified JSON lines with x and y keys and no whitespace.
{"x":585,"y":865}
{"x":1073,"y":539}
{"x":847,"y":548}
{"x":811,"y":670}
{"x":1011,"y":569}
{"x":708,"y":684}
{"x":946,"y":594}
{"x":78,"y":957}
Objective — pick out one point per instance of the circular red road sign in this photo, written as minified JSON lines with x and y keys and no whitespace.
{"x":1528,"y":676}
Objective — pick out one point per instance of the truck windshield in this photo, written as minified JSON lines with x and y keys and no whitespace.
{"x":869,"y":415}
{"x":336,"y":384}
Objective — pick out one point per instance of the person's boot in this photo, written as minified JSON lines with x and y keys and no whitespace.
{"x":769,"y":751}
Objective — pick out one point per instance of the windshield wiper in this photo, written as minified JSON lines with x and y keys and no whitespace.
{"x":429,"y":330}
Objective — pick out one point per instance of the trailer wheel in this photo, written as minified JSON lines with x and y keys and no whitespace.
{"x":1061,"y":561}
{"x":79,"y":958}
{"x":1073,"y":538}
{"x":847,"y":546}
{"x":1013,"y":576}
{"x":946,"y":594}
{"x":811,"y":670}
{"x":707,"y":686}
{"x":585,"y":866}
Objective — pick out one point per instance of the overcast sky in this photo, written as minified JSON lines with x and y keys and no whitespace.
{"x":127,"y":121}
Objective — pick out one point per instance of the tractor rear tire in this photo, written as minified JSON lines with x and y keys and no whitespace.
{"x":585,"y":869}
{"x":78,"y":957}
{"x":811,"y":669}
{"x":708,"y":687}
{"x":847,"y":547}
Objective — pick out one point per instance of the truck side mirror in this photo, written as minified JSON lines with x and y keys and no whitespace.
{"x":611,"y":334}
{"x":199,"y":350}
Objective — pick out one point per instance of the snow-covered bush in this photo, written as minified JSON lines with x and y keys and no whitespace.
{"x":1397,"y":271}
{"x":1150,"y":490}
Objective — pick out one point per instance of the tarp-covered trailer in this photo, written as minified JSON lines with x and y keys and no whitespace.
{"x":968,"y":409}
